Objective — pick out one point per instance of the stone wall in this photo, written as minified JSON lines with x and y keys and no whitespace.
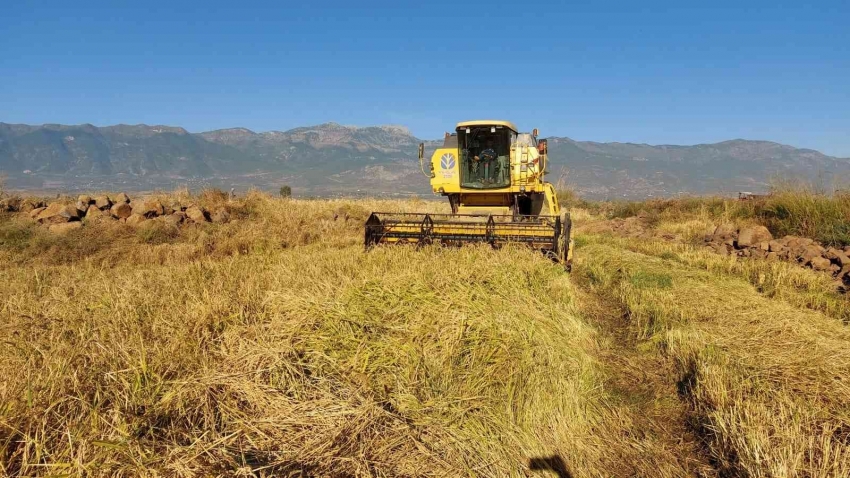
{"x":62,"y":216}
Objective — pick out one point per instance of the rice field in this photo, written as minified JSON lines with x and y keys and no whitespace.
{"x":274,"y":345}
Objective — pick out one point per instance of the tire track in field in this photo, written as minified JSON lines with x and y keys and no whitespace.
{"x":640,"y":381}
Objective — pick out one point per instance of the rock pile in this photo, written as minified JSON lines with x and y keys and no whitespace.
{"x":17,"y":204}
{"x":757,"y":241}
{"x":61,"y":216}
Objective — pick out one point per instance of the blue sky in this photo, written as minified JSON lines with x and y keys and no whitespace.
{"x":650,"y":71}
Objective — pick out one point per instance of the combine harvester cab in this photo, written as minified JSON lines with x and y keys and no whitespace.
{"x":493,"y":178}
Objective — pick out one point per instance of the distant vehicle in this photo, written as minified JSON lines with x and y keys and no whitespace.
{"x":748,"y":196}
{"x":493,"y":177}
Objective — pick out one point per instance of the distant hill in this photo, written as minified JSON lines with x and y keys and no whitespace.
{"x":640,"y":170}
{"x":335,"y":159}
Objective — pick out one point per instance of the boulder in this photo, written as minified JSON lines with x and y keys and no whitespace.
{"x":82,"y":207}
{"x":220,"y":216}
{"x":724,"y":232}
{"x":764,"y":246}
{"x":196,"y":214}
{"x":103,"y":202}
{"x":150,"y":207}
{"x":837,"y":256}
{"x":35,"y":212}
{"x":750,"y":236}
{"x":10,"y":204}
{"x":121,"y":199}
{"x":772,"y":256}
{"x":85,"y":199}
{"x":775,"y":246}
{"x":95,"y":215}
{"x":847,"y":250}
{"x":173,"y":219}
{"x":62,"y":228}
{"x":809,"y":253}
{"x":794,"y":241}
{"x":800,"y":245}
{"x":121,"y":210}
{"x":135,"y":219}
{"x":28,"y":204}
{"x":820,"y":263}
{"x":57,"y":213}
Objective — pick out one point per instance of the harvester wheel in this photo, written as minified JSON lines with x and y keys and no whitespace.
{"x":373,"y":229}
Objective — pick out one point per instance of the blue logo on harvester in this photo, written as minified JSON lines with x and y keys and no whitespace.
{"x":447,"y":161}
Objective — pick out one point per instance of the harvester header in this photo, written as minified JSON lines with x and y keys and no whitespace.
{"x":492,"y":176}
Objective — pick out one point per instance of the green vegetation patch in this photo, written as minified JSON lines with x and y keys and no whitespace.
{"x":15,"y":235}
{"x":651,"y":280}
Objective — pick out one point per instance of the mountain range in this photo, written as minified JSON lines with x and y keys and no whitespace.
{"x":332,"y":159}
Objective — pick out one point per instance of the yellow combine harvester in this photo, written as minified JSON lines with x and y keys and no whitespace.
{"x":493,"y":177}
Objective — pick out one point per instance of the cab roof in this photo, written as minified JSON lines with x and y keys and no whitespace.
{"x":506,"y":124}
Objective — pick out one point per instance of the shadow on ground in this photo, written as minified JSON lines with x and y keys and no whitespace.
{"x":552,"y":463}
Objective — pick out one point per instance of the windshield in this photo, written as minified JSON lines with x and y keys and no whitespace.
{"x":485,"y":156}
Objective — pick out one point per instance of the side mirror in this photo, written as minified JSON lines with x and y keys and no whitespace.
{"x":421,"y":165}
{"x":535,"y":132}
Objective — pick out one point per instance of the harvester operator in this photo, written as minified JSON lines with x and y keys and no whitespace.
{"x":487,"y":156}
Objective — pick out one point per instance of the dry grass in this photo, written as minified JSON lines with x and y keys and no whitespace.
{"x":786,"y":281}
{"x":767,"y":380}
{"x":261,"y":224}
{"x":791,"y":209}
{"x":274,"y":346}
